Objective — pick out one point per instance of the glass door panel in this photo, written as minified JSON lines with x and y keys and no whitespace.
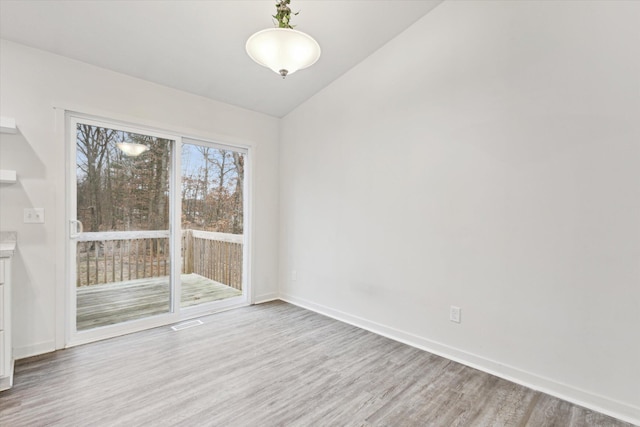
{"x":122,"y":240}
{"x":212,"y":223}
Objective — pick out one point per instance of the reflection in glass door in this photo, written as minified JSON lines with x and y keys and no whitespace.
{"x":213,"y":180}
{"x":121,"y":239}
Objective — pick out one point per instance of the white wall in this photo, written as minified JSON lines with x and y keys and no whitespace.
{"x":32,"y":82}
{"x":489,"y":158}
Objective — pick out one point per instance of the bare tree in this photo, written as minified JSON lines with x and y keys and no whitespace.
{"x":117,"y":192}
{"x":92,"y":146}
{"x":238,"y":195}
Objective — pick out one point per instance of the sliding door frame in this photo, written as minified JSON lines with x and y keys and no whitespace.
{"x":67,"y":335}
{"x":245,"y":298}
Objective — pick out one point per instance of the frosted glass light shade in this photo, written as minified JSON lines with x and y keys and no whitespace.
{"x":131,"y":148}
{"x":283,"y":50}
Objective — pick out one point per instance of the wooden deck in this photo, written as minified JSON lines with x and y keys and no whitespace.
{"x":101,"y":305}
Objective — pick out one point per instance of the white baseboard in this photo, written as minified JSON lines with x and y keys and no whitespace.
{"x":259,"y":299}
{"x":7,"y":382}
{"x":33,"y":350}
{"x":621,"y":410}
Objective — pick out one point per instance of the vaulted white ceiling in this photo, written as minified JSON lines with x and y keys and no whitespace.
{"x":199,"y":46}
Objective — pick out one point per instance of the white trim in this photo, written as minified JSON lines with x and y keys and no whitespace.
{"x":248,"y":226}
{"x":70,"y":215}
{"x":61,"y":203}
{"x":118,"y":329}
{"x":117,"y":125}
{"x":596,"y":402}
{"x":217,"y":144}
{"x":247,"y":237}
{"x":212,"y":307}
{"x":33,"y":350}
{"x":67,"y":119}
{"x":175,"y":227}
{"x":261,"y":299}
{"x":73,"y":336}
{"x":140,"y":123}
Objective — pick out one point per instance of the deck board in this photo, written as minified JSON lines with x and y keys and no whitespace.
{"x":101,"y":305}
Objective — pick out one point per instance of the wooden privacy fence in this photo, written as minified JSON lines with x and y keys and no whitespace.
{"x":109,"y":257}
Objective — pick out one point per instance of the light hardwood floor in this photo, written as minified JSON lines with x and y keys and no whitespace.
{"x":272,"y":364}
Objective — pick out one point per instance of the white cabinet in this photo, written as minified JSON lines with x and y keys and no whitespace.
{"x":6,"y":353}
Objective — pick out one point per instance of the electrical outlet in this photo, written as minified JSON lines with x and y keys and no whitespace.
{"x":294,"y":275}
{"x":455,"y":313}
{"x":33,"y":216}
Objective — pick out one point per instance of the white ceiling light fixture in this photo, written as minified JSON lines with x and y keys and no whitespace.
{"x":283,"y":49}
{"x":132,"y":149}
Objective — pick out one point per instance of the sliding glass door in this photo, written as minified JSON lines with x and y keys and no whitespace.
{"x":121,"y":222}
{"x":212,"y":222}
{"x":157,"y":228}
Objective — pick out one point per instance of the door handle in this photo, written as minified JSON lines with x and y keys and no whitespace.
{"x":76,"y":228}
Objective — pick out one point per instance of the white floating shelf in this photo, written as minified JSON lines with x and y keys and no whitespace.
{"x":8,"y":176}
{"x":8,"y":125}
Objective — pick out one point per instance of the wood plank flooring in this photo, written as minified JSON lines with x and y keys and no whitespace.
{"x":101,"y":305}
{"x":272,"y":364}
